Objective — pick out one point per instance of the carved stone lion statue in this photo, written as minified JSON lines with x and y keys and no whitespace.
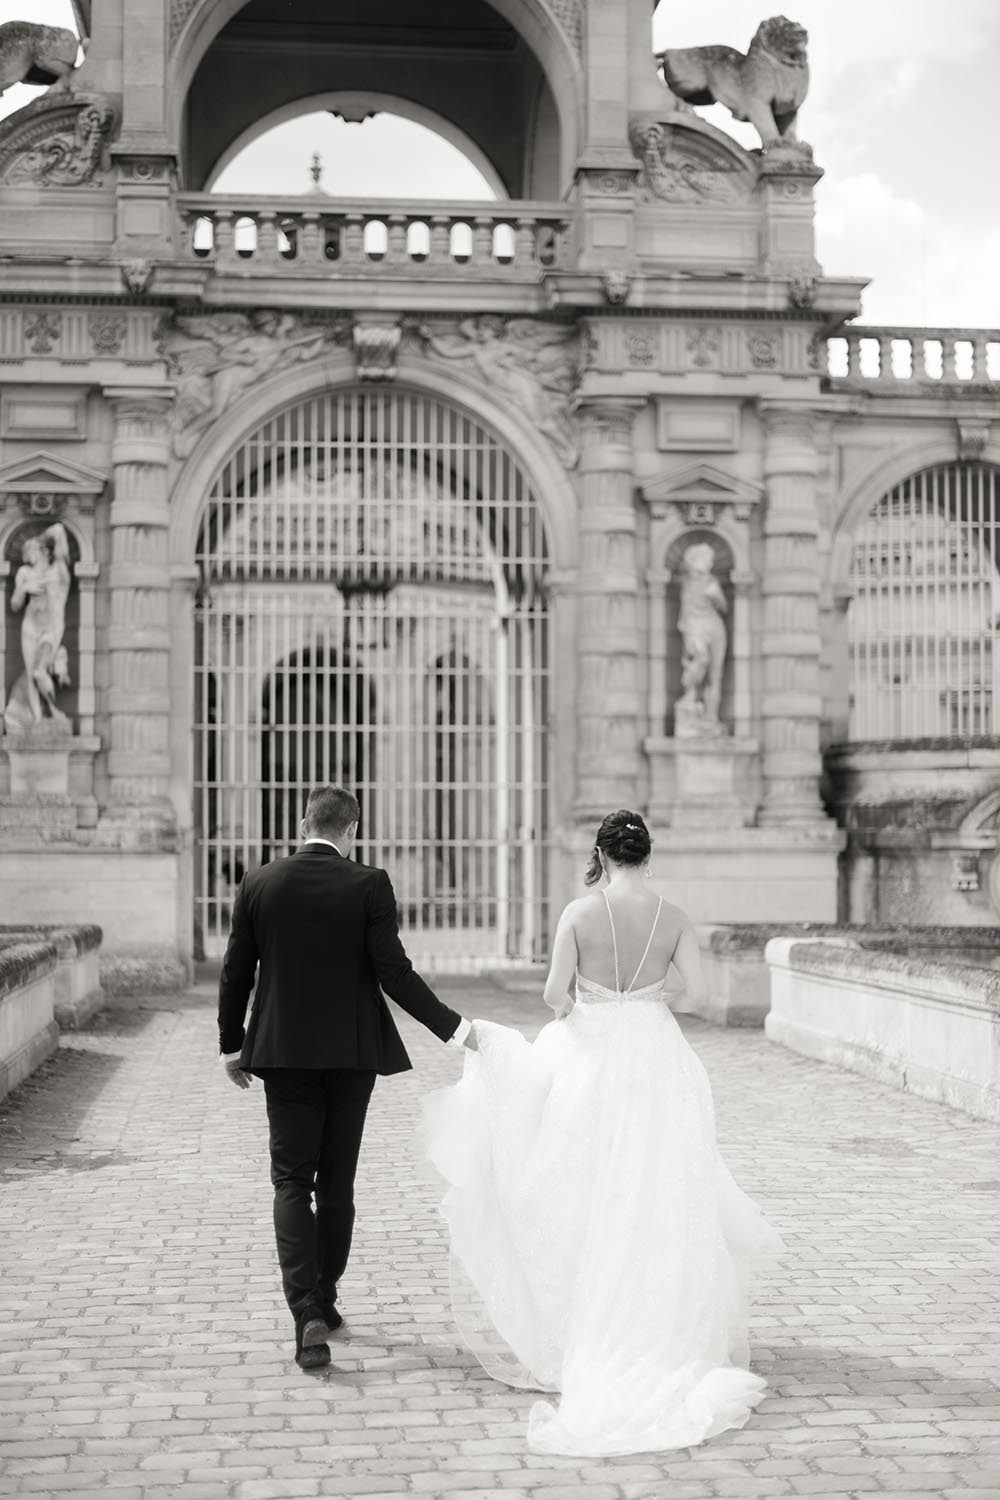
{"x":766,"y":87}
{"x":30,"y":53}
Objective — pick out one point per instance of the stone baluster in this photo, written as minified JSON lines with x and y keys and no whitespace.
{"x":311,"y":241}
{"x":791,"y":706}
{"x":853,"y":354}
{"x":524,"y":243}
{"x":396,"y":249}
{"x":610,"y":714}
{"x":352,"y":245}
{"x":980,"y":358}
{"x":266,"y":252}
{"x":885,"y":370}
{"x":482,"y":241}
{"x":224,"y":238}
{"x":949,"y":367}
{"x":440,"y":251}
{"x":138,"y":698}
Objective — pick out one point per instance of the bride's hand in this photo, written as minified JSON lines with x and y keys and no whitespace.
{"x":565,"y":1008}
{"x":471,"y":1040}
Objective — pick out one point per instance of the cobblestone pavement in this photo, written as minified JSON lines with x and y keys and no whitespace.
{"x":145,"y":1351}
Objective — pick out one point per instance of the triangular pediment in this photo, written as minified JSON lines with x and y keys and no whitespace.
{"x":701,"y":482}
{"x":44,"y":473}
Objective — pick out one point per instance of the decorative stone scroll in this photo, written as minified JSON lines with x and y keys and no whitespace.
{"x":532,"y":363}
{"x":60,"y":140}
{"x":215,"y":357}
{"x":681,"y":164}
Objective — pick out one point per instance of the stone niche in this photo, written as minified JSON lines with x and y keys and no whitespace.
{"x":704,"y":767}
{"x":47,"y":743}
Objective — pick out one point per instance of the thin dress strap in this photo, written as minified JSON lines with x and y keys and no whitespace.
{"x":649,"y":945}
{"x":614,"y":943}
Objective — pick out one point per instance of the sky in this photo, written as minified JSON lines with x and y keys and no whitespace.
{"x":901,"y":114}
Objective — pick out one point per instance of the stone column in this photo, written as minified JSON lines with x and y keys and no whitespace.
{"x":610,"y":695}
{"x":139,"y":585}
{"x":792,"y":703}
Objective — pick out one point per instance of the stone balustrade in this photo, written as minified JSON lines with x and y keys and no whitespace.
{"x":271,"y":236}
{"x":915,"y":359}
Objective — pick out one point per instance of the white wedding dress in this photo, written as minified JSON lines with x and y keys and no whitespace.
{"x":600,"y":1249}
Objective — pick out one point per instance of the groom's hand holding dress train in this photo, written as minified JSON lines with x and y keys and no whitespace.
{"x":323,"y":930}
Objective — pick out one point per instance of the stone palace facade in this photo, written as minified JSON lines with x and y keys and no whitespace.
{"x":507,"y":513}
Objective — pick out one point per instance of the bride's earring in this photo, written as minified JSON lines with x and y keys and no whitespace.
{"x":647,"y":873}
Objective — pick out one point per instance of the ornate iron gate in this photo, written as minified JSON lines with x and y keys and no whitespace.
{"x":372,"y":612}
{"x":924,"y":617}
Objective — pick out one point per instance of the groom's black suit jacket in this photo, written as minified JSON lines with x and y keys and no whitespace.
{"x":325,"y":933}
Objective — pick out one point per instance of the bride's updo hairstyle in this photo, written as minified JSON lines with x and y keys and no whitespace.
{"x":623,"y":838}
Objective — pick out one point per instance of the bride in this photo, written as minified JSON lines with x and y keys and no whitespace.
{"x":600,"y":1250}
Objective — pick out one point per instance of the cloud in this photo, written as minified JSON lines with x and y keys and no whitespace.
{"x":922,"y":272}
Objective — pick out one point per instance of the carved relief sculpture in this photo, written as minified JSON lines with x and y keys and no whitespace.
{"x":30,"y":53}
{"x":216,"y":357}
{"x":704,"y":636}
{"x":679,"y":167}
{"x":766,"y":86}
{"x":41,"y":589}
{"x":534,"y":364}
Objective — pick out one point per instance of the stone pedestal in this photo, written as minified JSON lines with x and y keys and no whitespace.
{"x":46,"y":780}
{"x":39,"y":759}
{"x":703,"y":783}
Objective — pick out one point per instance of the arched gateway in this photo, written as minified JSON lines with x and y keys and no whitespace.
{"x":372,"y":611}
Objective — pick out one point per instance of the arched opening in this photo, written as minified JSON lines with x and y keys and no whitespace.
{"x":350,"y":145}
{"x":924,"y":616}
{"x":373,"y":611}
{"x":465,"y":64}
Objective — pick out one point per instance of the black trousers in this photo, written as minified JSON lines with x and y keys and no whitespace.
{"x":316,"y":1119}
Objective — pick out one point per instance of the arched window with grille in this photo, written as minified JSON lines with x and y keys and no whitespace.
{"x":924,"y":615}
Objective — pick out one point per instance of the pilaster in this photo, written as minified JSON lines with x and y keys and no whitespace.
{"x":139,"y":585}
{"x":792,"y":706}
{"x":610,"y":712}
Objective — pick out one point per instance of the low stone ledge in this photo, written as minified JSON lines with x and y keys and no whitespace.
{"x":78,"y":993}
{"x":131,"y":973}
{"x":29,"y":1032}
{"x":908,"y":1020}
{"x":739,"y":988}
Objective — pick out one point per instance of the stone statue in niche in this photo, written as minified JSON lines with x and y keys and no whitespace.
{"x":31,"y":53}
{"x":41,"y":589}
{"x":704,"y":636}
{"x":766,"y":87}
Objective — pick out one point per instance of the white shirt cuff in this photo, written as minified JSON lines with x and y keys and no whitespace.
{"x":457,"y":1039}
{"x":228,"y":1057}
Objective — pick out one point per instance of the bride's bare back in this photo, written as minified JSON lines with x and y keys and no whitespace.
{"x":584,"y":943}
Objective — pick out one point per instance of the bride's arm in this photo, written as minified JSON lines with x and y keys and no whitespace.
{"x":687,"y":962}
{"x":562,"y":970}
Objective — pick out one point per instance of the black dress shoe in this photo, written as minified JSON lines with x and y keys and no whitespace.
{"x":332,"y":1316}
{"x":311,"y":1334}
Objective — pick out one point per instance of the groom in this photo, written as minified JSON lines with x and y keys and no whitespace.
{"x":324,"y":932}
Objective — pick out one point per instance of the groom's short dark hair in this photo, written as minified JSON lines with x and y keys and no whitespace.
{"x":331,"y":809}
